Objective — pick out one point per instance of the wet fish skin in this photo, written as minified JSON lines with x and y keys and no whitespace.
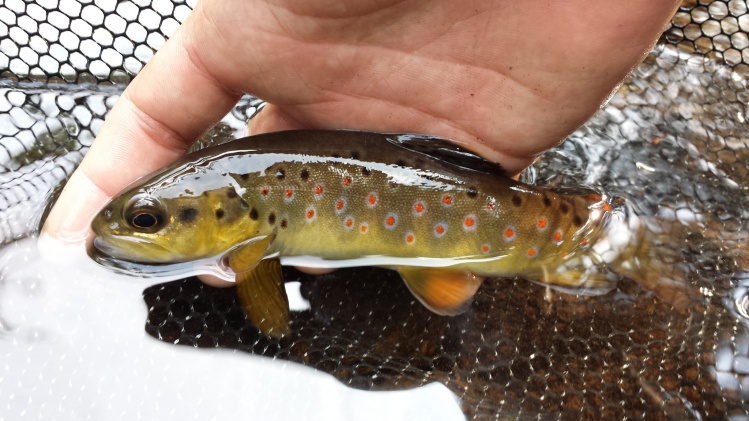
{"x":346,"y":198}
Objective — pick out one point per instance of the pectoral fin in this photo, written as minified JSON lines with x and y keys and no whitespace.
{"x":246,"y":256}
{"x":443,"y":291}
{"x":263,"y":297}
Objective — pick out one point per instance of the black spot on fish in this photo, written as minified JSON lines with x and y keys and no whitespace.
{"x":253,"y":214}
{"x":304,"y":175}
{"x":280,"y":173}
{"x":219,"y":213}
{"x":547,"y":201}
{"x":231,"y":194}
{"x":564,"y":207}
{"x":366,"y":171}
{"x":355,"y":154}
{"x":516,"y":200}
{"x":284,"y":224}
{"x":244,"y":176}
{"x":401,"y":163}
{"x":472,"y":192}
{"x":335,"y":155}
{"x":272,"y":218}
{"x":187,"y":215}
{"x":577,"y":221}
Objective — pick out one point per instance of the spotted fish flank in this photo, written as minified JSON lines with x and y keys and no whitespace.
{"x":456,"y":212}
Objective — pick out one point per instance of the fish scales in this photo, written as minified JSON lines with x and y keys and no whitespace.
{"x":440,"y":215}
{"x":348,"y":210}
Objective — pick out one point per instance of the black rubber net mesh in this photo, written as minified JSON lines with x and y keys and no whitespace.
{"x":673,"y":141}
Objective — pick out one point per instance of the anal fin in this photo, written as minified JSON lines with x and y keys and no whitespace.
{"x":263,"y":297}
{"x":443,"y":291}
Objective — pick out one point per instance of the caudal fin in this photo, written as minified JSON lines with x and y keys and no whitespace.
{"x":656,"y":259}
{"x":652,"y":252}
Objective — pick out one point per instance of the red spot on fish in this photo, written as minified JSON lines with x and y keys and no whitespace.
{"x":584,"y":242}
{"x":469,"y":223}
{"x":558,"y":236}
{"x":364,"y":227}
{"x":310,"y":213}
{"x":485,"y":248}
{"x":440,"y":229}
{"x":372,"y":200}
{"x":490,"y":206}
{"x":346,"y":181}
{"x":264,"y":191}
{"x":542,"y":224}
{"x":419,"y":208}
{"x":319,"y":190}
{"x":348,"y":223}
{"x":510,"y":233}
{"x":532,"y":252}
{"x":447,"y":200}
{"x":340,"y":206}
{"x":410,"y":238}
{"x":289,"y":194}
{"x":391,"y":220}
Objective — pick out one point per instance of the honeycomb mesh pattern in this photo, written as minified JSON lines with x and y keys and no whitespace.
{"x":673,"y":141}
{"x":83,"y":42}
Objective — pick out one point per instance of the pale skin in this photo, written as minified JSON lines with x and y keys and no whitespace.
{"x":506,"y":79}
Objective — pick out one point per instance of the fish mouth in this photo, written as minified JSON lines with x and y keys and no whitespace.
{"x":112,"y":257}
{"x":119,"y":248}
{"x":103,"y":247}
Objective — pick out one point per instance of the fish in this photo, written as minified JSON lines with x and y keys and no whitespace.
{"x":441,"y":216}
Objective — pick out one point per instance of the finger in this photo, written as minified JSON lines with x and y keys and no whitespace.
{"x":171,"y":102}
{"x":215,"y":281}
{"x":314,"y":271}
{"x":273,"y":119}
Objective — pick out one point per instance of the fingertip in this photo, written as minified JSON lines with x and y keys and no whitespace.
{"x":52,"y":249}
{"x":215,"y":281}
{"x":314,"y":271}
{"x":69,"y":221}
{"x":273,"y":119}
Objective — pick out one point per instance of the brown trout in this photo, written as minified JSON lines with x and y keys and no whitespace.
{"x":441,"y":216}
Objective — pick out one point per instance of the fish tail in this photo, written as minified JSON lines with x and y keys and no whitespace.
{"x":652,"y":252}
{"x":656,"y":259}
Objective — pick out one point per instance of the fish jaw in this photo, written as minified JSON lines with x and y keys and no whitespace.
{"x":132,"y":250}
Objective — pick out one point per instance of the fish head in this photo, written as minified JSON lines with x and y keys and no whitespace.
{"x":173,"y":224}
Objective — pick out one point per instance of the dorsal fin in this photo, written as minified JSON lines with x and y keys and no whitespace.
{"x":445,"y":151}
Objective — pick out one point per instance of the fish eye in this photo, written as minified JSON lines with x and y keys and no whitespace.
{"x":144,"y":220}
{"x":144,"y":214}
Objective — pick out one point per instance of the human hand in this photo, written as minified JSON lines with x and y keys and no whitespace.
{"x":507,"y":80}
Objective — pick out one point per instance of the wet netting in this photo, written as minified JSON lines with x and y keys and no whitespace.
{"x":673,"y":141}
